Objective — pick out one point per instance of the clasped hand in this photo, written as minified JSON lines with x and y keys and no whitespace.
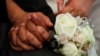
{"x":32,"y":34}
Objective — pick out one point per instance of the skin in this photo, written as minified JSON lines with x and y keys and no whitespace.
{"x":80,"y":7}
{"x":27,"y":33}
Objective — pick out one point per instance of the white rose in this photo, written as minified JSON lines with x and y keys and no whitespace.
{"x":61,"y":39}
{"x":65,"y":24}
{"x":85,"y":37}
{"x":70,"y":49}
{"x":87,"y":32}
{"x":84,"y":33}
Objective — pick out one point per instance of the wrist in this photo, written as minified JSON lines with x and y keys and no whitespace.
{"x":15,"y":13}
{"x":19,"y":18}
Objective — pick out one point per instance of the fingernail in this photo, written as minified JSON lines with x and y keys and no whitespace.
{"x":23,"y":24}
{"x":16,"y":28}
{"x":32,"y":48}
{"x":12,"y":28}
{"x":40,"y":46}
{"x":34,"y":15}
{"x":51,"y":24}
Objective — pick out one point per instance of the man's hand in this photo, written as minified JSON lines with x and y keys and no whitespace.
{"x":22,"y":39}
{"x":31,"y":34}
{"x":76,"y":7}
{"x":39,"y":19}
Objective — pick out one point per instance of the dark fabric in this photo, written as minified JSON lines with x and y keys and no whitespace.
{"x":4,"y":28}
{"x":29,"y":6}
{"x":39,"y":52}
{"x":3,"y":12}
{"x":4,"y":42}
{"x":36,"y":5}
{"x":33,"y":6}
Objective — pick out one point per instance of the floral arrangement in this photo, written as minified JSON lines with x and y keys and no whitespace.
{"x":74,"y":35}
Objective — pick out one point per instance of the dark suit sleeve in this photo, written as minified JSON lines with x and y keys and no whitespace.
{"x":33,"y":6}
{"x":36,"y":5}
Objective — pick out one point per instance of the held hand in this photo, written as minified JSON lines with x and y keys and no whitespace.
{"x":76,"y":7}
{"x":39,"y":19}
{"x":22,"y":39}
{"x":31,"y":34}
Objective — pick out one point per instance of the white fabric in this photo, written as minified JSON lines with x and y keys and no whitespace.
{"x":92,"y":52}
{"x":53,"y":4}
{"x":95,"y":20}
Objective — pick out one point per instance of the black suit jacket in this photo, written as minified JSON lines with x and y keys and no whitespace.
{"x":28,"y":6}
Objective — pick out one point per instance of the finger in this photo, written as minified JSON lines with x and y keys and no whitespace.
{"x":81,"y":13}
{"x":37,"y":20}
{"x":22,"y":33}
{"x":33,"y":29}
{"x":75,"y":13}
{"x":13,"y":35}
{"x":15,"y":48}
{"x":44,"y":19}
{"x":85,"y":13}
{"x":10,"y":32}
{"x":67,"y":9}
{"x":23,"y":45}
{"x":33,"y":40}
{"x":43,"y":33}
{"x":60,"y":4}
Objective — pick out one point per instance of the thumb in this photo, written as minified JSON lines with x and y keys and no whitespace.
{"x":60,"y":4}
{"x":41,"y":19}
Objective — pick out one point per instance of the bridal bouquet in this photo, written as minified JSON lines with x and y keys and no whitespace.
{"x":74,"y":35}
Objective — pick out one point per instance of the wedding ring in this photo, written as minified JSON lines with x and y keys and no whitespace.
{"x":71,"y":9}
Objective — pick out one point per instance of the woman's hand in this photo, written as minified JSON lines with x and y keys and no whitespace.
{"x":76,"y":7}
